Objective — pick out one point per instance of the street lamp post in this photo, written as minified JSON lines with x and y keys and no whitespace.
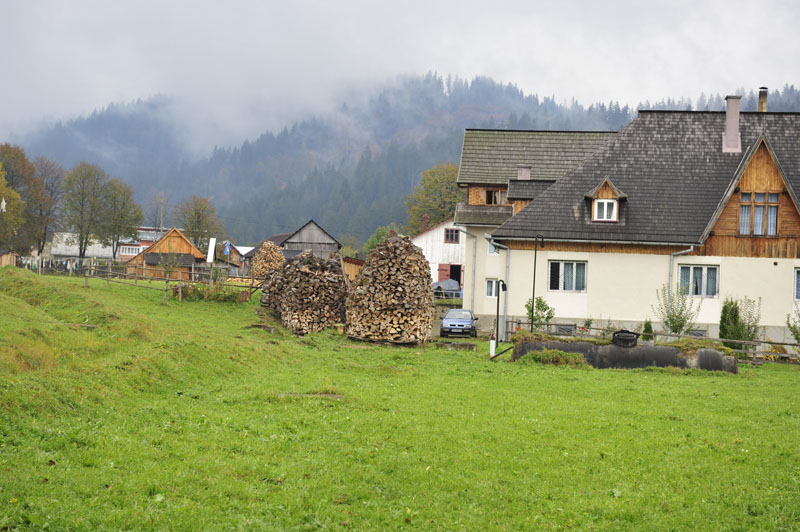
{"x":536,"y":240}
{"x":500,"y":285}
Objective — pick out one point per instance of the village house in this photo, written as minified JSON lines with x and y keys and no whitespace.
{"x":503,"y":170}
{"x":172,"y":255}
{"x":705,"y":201}
{"x":444,"y":248}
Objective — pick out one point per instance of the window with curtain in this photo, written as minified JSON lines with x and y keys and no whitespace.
{"x":567,"y":276}
{"x":605,"y":210}
{"x":797,"y":284}
{"x":758,"y":213}
{"x":699,"y":281}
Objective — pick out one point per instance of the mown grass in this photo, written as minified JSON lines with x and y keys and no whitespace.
{"x":179,"y":417}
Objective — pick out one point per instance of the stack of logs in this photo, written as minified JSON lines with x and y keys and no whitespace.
{"x":391,"y":299}
{"x":267,"y":259}
{"x":308,"y":292}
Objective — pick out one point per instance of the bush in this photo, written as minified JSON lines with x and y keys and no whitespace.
{"x":542,"y":314}
{"x":554,"y":357}
{"x":676,"y":310}
{"x":647,"y":332}
{"x":739,"y":321}
{"x":199,"y":291}
{"x":793,"y":323}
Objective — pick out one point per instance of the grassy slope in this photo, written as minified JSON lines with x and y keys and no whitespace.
{"x":178,"y":417}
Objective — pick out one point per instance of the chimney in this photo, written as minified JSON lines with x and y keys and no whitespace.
{"x":425,"y":219}
{"x":524,"y":172}
{"x":731,"y":139}
{"x":762,"y":99}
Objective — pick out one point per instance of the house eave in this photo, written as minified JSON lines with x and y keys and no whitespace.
{"x":587,"y":241}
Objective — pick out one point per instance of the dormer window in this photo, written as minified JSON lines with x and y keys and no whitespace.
{"x":605,"y":199}
{"x":605,"y":210}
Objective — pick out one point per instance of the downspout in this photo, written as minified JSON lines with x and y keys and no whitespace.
{"x":474,"y":266}
{"x":502,"y":328}
{"x":671,"y":262}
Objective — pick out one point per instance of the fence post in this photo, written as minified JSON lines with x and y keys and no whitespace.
{"x":85,"y":278}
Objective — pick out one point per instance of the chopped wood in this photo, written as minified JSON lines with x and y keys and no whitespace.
{"x":391,"y":299}
{"x":308,"y":292}
{"x":267,"y":259}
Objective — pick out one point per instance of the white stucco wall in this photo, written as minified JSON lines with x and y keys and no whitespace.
{"x":622,"y":287}
{"x":437,"y":251}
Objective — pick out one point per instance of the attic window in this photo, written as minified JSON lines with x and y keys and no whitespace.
{"x":495,"y":197}
{"x":605,"y":210}
{"x":758,"y":213}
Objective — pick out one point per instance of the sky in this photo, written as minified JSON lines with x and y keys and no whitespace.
{"x":237,"y":68}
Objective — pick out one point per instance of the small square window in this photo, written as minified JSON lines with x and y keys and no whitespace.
{"x":605,"y":210}
{"x":451,"y":236}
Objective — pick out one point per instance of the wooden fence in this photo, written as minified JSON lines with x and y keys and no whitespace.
{"x":755,"y":351}
{"x":121,"y":273}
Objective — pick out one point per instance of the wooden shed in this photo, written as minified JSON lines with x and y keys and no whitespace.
{"x":173,"y":254}
{"x":310,"y":236}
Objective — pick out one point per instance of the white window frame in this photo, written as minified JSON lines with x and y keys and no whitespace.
{"x":494,"y":284}
{"x":797,"y":284}
{"x":574,"y":273}
{"x":704,"y":279}
{"x":605,"y":202}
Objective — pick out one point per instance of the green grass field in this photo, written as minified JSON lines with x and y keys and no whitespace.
{"x":178,"y":416}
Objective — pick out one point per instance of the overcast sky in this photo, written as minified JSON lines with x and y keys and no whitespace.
{"x":237,"y":68}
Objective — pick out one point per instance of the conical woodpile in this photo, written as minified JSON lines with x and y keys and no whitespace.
{"x":391,"y":299}
{"x":267,"y":259}
{"x":309,"y":292}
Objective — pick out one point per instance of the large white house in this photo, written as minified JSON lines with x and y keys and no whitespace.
{"x":443,"y":246}
{"x":702,"y":200}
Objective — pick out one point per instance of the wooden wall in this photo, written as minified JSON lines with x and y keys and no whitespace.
{"x":761,"y":175}
{"x":519,"y":205}
{"x":590,"y":247}
{"x":477,"y":195}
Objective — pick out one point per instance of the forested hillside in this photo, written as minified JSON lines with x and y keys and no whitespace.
{"x":350,"y":169}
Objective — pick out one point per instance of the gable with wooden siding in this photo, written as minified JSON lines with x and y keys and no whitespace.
{"x":764,"y":186}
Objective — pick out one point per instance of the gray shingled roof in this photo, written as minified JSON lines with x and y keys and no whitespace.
{"x":671,"y":166}
{"x":175,"y":259}
{"x":490,"y":157}
{"x":527,"y":189}
{"x":482,"y":214}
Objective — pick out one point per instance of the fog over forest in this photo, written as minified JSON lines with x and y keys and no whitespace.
{"x":349,"y":169}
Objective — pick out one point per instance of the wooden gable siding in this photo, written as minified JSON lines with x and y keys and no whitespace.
{"x":761,"y":175}
{"x":519,"y":205}
{"x":173,"y":242}
{"x":595,"y":247}
{"x":606,"y":192}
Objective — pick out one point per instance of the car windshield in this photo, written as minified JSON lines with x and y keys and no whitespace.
{"x":458,"y":314}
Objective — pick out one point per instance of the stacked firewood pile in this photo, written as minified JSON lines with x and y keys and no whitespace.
{"x":272,"y":288}
{"x":309,"y":292}
{"x":391,"y":299}
{"x":267,"y":259}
